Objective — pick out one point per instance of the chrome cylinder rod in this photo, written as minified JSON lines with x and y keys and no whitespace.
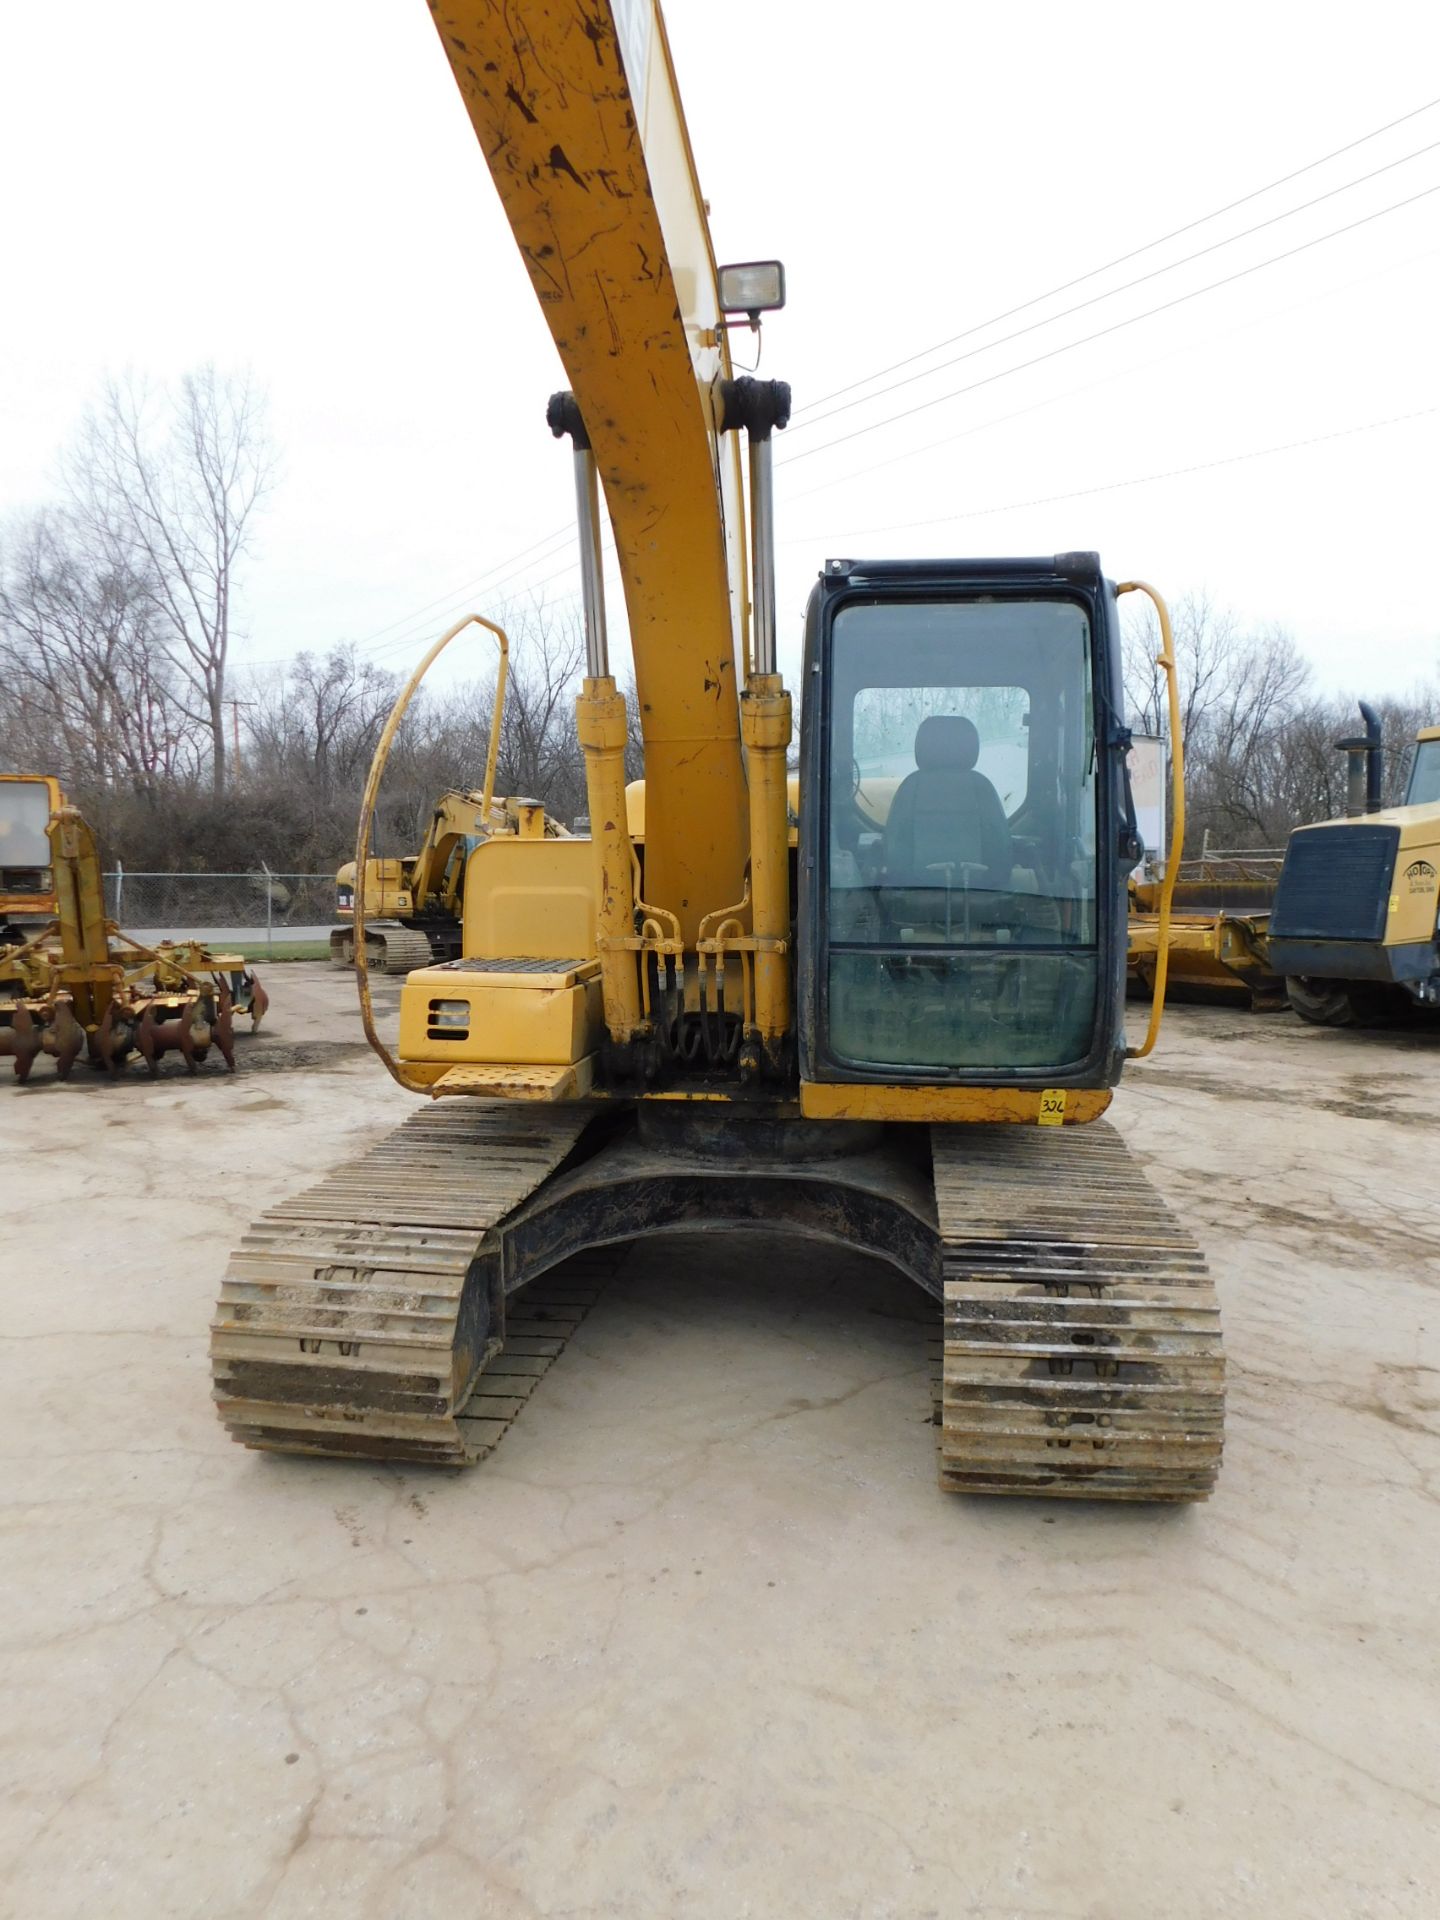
{"x":592,"y":577}
{"x":762,"y":550}
{"x":563,"y":416}
{"x":759,"y":406}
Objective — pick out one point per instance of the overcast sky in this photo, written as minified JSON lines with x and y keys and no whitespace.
{"x":293,"y":186}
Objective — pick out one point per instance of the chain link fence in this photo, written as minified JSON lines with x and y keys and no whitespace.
{"x":260,"y":911}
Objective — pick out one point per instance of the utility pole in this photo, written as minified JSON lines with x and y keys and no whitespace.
{"x":235,"y":706}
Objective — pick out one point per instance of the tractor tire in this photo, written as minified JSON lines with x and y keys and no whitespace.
{"x":1332,"y":1003}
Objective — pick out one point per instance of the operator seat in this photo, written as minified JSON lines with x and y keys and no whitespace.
{"x":945,"y":814}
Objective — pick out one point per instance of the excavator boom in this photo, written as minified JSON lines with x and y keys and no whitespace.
{"x":580,"y":125}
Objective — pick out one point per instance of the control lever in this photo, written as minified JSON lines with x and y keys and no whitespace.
{"x":948,"y":867}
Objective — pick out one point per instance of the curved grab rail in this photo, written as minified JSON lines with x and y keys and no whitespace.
{"x":1165,"y":659}
{"x":367,"y":817}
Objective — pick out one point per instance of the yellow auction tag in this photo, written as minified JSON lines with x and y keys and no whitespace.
{"x":1052,"y":1107}
{"x":1394,"y":903}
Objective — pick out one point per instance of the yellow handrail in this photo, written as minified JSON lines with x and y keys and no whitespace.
{"x":1166,"y":659}
{"x":367,"y":817}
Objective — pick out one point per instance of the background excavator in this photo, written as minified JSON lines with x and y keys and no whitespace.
{"x":412,"y":907}
{"x":888,"y":1017}
{"x":71,"y":982}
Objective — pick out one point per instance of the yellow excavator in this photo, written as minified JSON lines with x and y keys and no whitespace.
{"x":411,"y":907}
{"x":71,"y":982}
{"x":883,"y":1013}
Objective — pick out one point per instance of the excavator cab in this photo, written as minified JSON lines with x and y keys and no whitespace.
{"x":961,"y":887}
{"x":1423,"y":788}
{"x":27,"y":881}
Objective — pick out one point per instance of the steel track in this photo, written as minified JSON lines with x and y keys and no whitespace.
{"x":1081,"y":1331}
{"x":393,"y":949}
{"x":1080,"y":1353}
{"x":350,"y":1321}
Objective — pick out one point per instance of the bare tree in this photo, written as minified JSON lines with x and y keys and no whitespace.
{"x":1243,"y":743}
{"x":446,"y":735}
{"x":1311,"y":771}
{"x":634,"y":736}
{"x":176,"y":480}
{"x":539,"y":754}
{"x":80,"y":659}
{"x":1207,"y":642}
{"x":315,"y":724}
{"x":1242,"y":695}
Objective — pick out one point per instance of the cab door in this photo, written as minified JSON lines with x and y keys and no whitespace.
{"x":961,"y":897}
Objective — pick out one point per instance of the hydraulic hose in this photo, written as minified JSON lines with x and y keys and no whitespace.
{"x":367,"y":819}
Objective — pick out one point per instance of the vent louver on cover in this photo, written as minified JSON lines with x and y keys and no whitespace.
{"x":1335,"y":884}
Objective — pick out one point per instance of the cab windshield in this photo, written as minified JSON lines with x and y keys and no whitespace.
{"x":24,"y":816}
{"x":962,"y":919}
{"x":1424,"y":789}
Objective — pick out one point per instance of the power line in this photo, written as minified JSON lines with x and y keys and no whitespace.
{"x":450,"y":602}
{"x":1110,"y":293}
{"x":529,"y":586}
{"x":468,"y":586}
{"x":1115,"y":327}
{"x":419,"y":627}
{"x":1121,"y":373}
{"x":446,"y":600}
{"x":573,"y":566}
{"x":1121,"y":260}
{"x":566,"y":532}
{"x":1141,"y":480}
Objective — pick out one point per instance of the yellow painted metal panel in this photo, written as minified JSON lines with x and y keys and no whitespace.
{"x":604,"y":206}
{"x":1187,"y":936}
{"x":1413,"y":900}
{"x":1415,"y":887}
{"x":635,"y":807}
{"x":635,"y":810}
{"x":507,"y":1025}
{"x":968,"y":1104}
{"x":532,"y":899}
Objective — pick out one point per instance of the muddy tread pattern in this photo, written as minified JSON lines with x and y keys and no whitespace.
{"x":392,"y":948}
{"x":341,"y":1325}
{"x":1081,"y":1352}
{"x":405,"y":950}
